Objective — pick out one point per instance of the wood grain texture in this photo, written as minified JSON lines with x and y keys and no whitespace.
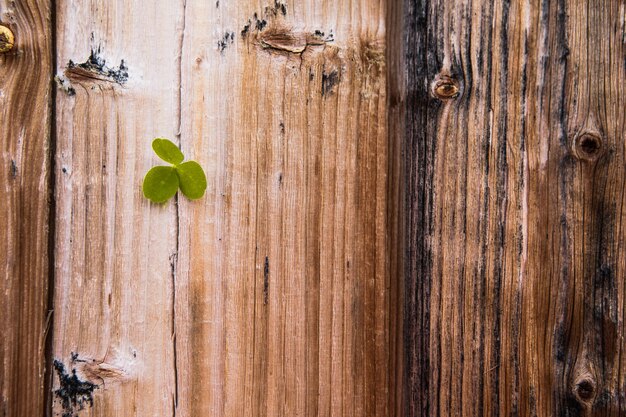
{"x":25,"y":108}
{"x":272,"y":295}
{"x":115,"y":251}
{"x":283,"y":274}
{"x":516,"y":272}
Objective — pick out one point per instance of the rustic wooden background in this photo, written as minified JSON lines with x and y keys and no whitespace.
{"x":414,"y":208}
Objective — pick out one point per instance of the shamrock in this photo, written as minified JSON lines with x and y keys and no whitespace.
{"x":162,"y":182}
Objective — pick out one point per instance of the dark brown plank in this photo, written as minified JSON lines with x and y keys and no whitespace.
{"x":515,"y":214}
{"x":283,"y":298}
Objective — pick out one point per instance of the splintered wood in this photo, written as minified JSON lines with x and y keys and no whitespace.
{"x":272,"y":295}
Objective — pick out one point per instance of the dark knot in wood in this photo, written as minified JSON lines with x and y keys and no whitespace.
{"x":445,"y":87}
{"x":588,"y":146}
{"x":585,"y":390}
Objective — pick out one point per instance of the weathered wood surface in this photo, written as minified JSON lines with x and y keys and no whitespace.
{"x":516,"y":258}
{"x":25,"y":98}
{"x":113,"y":318}
{"x":283,"y":272}
{"x":270,"y":296}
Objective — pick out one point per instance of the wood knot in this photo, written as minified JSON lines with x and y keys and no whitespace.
{"x":585,"y":390}
{"x":588,"y":146}
{"x":281,"y":39}
{"x":445,"y":88}
{"x":584,"y":386}
{"x":96,"y":370}
{"x":7,"y":40}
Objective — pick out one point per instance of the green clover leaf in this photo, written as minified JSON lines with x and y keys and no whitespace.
{"x":192,"y":179}
{"x":161,"y":182}
{"x":167,"y":151}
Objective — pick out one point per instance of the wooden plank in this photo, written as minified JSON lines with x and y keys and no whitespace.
{"x":282,"y":284}
{"x":115,"y":251}
{"x":25,"y":103}
{"x":270,"y":296}
{"x":515,"y":284}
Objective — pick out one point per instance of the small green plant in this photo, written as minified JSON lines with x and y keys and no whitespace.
{"x":161,"y":182}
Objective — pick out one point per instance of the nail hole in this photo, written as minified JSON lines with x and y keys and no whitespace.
{"x":445,"y":88}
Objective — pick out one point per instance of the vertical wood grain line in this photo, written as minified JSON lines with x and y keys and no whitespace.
{"x":48,"y":354}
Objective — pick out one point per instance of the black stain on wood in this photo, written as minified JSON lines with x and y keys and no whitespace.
{"x":501,"y":197}
{"x":254,"y":23}
{"x":532,"y":401}
{"x":246,"y":29}
{"x":65,"y":85}
{"x":227,"y":39}
{"x":280,"y":7}
{"x":421,"y":59}
{"x":561,"y":338}
{"x":322,"y":35}
{"x":73,"y":392}
{"x":13,"y":169}
{"x":329,"y":81}
{"x":260,"y":24}
{"x":562,"y":46}
{"x":266,"y":280}
{"x":95,"y":68}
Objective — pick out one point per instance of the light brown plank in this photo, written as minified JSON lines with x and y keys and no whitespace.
{"x":115,"y":251}
{"x":25,"y":104}
{"x":269,"y":296}
{"x":282,"y":284}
